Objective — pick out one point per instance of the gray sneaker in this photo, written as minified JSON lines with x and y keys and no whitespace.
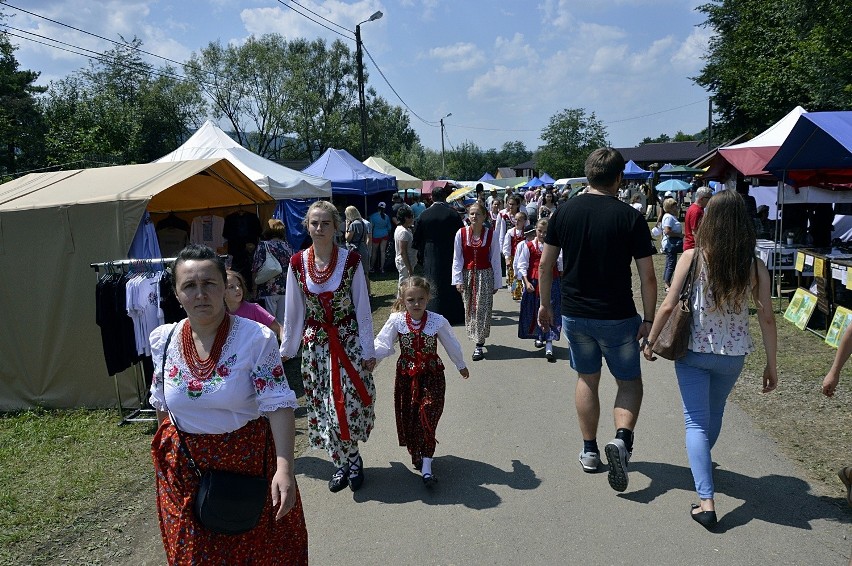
{"x":590,"y":461}
{"x":617,"y":457}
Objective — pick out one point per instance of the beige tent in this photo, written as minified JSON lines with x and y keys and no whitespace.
{"x":52,"y":227}
{"x":403,"y":179}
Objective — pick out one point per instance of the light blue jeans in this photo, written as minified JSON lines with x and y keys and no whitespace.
{"x":705,"y":380}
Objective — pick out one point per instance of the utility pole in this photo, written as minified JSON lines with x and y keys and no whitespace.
{"x":443,"y":171}
{"x":362,"y":100}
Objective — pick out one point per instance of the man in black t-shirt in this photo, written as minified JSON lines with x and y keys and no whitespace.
{"x":599,"y":237}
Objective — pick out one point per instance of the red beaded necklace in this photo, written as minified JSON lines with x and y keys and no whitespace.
{"x":421,"y":323}
{"x":320,"y":276}
{"x":203,"y":369}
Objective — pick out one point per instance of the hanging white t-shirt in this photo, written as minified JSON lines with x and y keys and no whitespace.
{"x":207,"y":231}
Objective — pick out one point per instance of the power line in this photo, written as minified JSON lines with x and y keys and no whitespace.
{"x":427,"y":122}
{"x":655,"y":113}
{"x":320,"y":16}
{"x":316,"y":22}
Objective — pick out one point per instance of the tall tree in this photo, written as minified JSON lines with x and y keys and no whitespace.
{"x":20,"y":120}
{"x":767,"y":56}
{"x":512,"y":153}
{"x":389,"y":131}
{"x":569,"y":138}
{"x":119,"y":109}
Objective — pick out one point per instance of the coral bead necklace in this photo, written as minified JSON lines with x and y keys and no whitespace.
{"x":203,"y":369}
{"x":320,"y":276}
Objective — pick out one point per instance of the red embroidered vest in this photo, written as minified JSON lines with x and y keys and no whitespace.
{"x":477,"y":257}
{"x":535,"y":260}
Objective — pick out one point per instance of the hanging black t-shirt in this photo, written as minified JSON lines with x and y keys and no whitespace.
{"x":600,"y":236}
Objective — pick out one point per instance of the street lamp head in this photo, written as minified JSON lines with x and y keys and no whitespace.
{"x":377,"y":15}
{"x":448,"y":115}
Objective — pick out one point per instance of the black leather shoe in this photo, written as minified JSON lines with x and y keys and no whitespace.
{"x":477,"y":354}
{"x":550,"y":357}
{"x":339,"y":480}
{"x":356,"y":475}
{"x":706,"y":519}
{"x":429,"y":480}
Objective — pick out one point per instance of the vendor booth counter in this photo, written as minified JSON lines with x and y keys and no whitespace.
{"x":825,"y":272}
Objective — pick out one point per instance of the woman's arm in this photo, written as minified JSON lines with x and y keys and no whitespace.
{"x":458,"y":262}
{"x":669,"y":303}
{"x":403,"y":251}
{"x":766,"y":318}
{"x":283,"y":424}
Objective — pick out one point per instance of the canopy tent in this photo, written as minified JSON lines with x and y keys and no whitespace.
{"x":403,"y":179}
{"x":680,"y":171}
{"x":210,"y":142}
{"x":633,"y":171}
{"x":348,"y":176}
{"x":428,"y":186}
{"x":818,"y":151}
{"x":487,"y":177}
{"x":534,"y":182}
{"x":665,"y":168}
{"x":52,"y":226}
{"x":673,"y":185}
{"x":751,"y":158}
{"x":546,"y":179}
{"x":509,"y":182}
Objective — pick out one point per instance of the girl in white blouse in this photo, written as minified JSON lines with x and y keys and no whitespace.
{"x":420,"y":385}
{"x":719,"y":337}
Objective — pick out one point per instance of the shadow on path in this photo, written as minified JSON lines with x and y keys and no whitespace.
{"x":460,"y":481}
{"x":782,"y":500}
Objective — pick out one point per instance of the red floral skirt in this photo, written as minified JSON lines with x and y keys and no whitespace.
{"x":418,"y":403}
{"x":185,"y":540}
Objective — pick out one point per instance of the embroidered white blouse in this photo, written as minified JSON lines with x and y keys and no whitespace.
{"x":435,"y":325}
{"x":249,"y":380}
{"x":522,"y":258}
{"x":493,"y":255}
{"x":507,"y":241}
{"x":717,"y":331}
{"x":295,"y":309}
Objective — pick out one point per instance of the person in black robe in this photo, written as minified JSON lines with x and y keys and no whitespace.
{"x":434,"y":237}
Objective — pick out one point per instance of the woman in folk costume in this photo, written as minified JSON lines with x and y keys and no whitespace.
{"x":420,"y":385}
{"x":476,"y":274}
{"x":513,"y":237}
{"x":527,"y":259}
{"x":328,"y":313}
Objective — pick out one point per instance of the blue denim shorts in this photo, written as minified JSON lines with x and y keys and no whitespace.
{"x":614,"y":340}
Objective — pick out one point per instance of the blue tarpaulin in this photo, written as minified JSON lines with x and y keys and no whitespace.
{"x":534,"y":182}
{"x":487,"y":177}
{"x":348,"y":176}
{"x":817,"y":152}
{"x":633,"y":171}
{"x":546,"y":179}
{"x":291,"y":212}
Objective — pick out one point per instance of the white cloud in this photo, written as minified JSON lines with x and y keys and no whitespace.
{"x":292,"y":24}
{"x":458,"y":57}
{"x":514,"y":49}
{"x":557,"y":14}
{"x":688,"y":57}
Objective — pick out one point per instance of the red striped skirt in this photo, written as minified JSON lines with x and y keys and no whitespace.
{"x":185,"y":540}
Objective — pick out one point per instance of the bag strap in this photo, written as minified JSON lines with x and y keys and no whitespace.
{"x":688,"y":284}
{"x":183,"y":445}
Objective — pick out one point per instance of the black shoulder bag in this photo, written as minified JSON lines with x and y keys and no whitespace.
{"x":226,"y":503}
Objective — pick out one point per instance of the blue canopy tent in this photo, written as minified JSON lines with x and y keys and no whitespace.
{"x":351,"y":178}
{"x":818,"y":151}
{"x":546,"y":179}
{"x":486,"y":177}
{"x":534,"y":182}
{"x":633,"y":171}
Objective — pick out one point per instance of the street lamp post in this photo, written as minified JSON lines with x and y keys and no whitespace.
{"x":362,"y":101}
{"x":443,"y":173}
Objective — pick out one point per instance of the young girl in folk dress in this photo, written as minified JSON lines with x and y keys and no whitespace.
{"x":510,"y":243}
{"x":328,"y":313}
{"x":419,"y":386}
{"x":527,"y":258}
{"x":476,"y":274}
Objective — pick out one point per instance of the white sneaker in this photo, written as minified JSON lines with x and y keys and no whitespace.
{"x":590,"y":461}
{"x":617,"y":457}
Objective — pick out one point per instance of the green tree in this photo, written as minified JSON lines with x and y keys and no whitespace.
{"x":767,"y":56}
{"x":465,"y":162}
{"x":569,"y":138}
{"x":423,"y":162}
{"x":512,"y":153}
{"x":389,"y":131}
{"x":21,"y":126}
{"x":119,"y":109}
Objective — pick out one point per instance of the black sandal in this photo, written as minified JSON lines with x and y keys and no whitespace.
{"x":706,"y":519}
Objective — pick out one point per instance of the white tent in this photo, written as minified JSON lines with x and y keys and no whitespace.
{"x":403,"y":179}
{"x":210,"y":142}
{"x":52,"y":227}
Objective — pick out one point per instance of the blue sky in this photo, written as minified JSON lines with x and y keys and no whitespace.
{"x":502,"y":68}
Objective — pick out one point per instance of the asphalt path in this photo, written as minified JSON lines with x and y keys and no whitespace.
{"x":511,"y":491}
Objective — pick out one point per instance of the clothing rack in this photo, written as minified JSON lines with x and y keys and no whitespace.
{"x":143,"y":413}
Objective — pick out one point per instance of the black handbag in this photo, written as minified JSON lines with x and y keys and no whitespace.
{"x":226,"y":503}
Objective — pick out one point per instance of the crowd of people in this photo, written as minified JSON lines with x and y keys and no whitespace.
{"x":220,"y":377}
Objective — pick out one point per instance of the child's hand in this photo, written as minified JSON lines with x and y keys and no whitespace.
{"x":464,"y":373}
{"x":369,"y":365}
{"x":530,"y":288}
